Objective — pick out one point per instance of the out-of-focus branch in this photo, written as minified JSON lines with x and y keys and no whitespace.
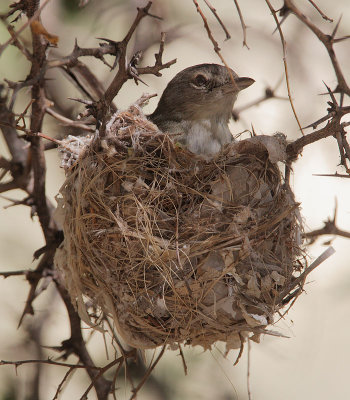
{"x":268,"y":94}
{"x":69,"y":122}
{"x":43,"y":269}
{"x":33,"y":11}
{"x":48,"y":361}
{"x":147,"y":374}
{"x":15,"y":145}
{"x":75,"y":344}
{"x":329,"y":228}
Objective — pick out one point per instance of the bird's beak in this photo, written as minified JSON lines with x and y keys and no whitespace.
{"x":244,"y":82}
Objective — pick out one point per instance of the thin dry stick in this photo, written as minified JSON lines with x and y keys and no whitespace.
{"x":48,"y":361}
{"x":330,"y":228}
{"x":302,"y":277}
{"x":21,"y":117}
{"x":244,"y":26}
{"x":213,"y":10}
{"x":60,"y":386}
{"x":147,"y":374}
{"x":336,"y":175}
{"x":120,"y":360}
{"x":16,"y":41}
{"x":240,"y":349}
{"x":269,"y":94}
{"x":210,"y":35}
{"x":68,"y":121}
{"x":273,"y":11}
{"x":324,"y":16}
{"x":183,"y":359}
{"x":30,"y":133}
{"x":248,"y":372}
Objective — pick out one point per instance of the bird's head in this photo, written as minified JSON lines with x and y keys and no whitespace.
{"x":202,"y":91}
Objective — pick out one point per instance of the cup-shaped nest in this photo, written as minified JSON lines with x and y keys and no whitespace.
{"x":178,"y":249}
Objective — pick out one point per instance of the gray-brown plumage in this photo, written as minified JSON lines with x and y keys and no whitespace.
{"x":197,"y":103}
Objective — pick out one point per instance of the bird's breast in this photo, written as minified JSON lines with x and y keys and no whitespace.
{"x":206,"y":137}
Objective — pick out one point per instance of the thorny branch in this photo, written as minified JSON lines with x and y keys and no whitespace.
{"x":327,"y":40}
{"x":123,"y":71}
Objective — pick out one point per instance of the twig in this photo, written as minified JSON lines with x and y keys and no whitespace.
{"x":34,"y":277}
{"x":240,"y":350}
{"x":102,"y":107}
{"x":300,"y":280}
{"x":243,"y":25}
{"x":68,"y":121}
{"x":183,"y":359}
{"x":294,"y":148}
{"x":336,"y":175}
{"x":60,"y":386}
{"x":72,"y":59}
{"x":16,"y":41}
{"x":324,"y":16}
{"x":119,"y":361}
{"x":213,"y":10}
{"x":269,"y":94}
{"x":49,"y":362}
{"x":158,"y":66}
{"x":206,"y":26}
{"x":14,"y":144}
{"x":248,"y":372}
{"x":7,"y":274}
{"x":147,"y":374}
{"x":329,"y":228}
{"x":273,"y":11}
{"x":75,"y":344}
{"x":121,"y":76}
{"x":30,"y":133}
{"x":5,"y":187}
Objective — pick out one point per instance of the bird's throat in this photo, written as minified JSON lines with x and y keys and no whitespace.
{"x":206,"y":136}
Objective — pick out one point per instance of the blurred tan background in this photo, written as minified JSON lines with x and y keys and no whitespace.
{"x":313,"y":362}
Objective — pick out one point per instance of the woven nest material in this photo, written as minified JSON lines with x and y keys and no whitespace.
{"x":175,"y":248}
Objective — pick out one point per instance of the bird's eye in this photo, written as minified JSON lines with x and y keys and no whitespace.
{"x":200,"y":80}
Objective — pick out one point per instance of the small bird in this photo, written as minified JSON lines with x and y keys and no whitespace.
{"x":197,"y":104}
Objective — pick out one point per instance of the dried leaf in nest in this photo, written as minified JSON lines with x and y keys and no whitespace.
{"x":178,"y":249}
